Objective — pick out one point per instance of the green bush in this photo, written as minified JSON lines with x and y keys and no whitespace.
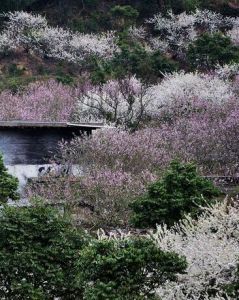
{"x":43,"y":256}
{"x":15,"y":71}
{"x":126,"y":269}
{"x":17,"y":83}
{"x":91,"y":4}
{"x":95,"y":22}
{"x":180,"y":191}
{"x":124,"y":16}
{"x":125,"y":11}
{"x":65,"y":79}
{"x":191,"y":5}
{"x":147,"y":66}
{"x":8,"y":184}
{"x":212,"y":49}
{"x":38,"y":252}
{"x":133,"y":60}
{"x":145,"y":8}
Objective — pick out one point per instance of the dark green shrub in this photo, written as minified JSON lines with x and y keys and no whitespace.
{"x":145,"y":8}
{"x":126,"y":269}
{"x":65,"y":79}
{"x":43,"y":256}
{"x":16,"y":83}
{"x":181,"y":190}
{"x":191,"y":5}
{"x":124,"y":15}
{"x":160,"y":64}
{"x":134,"y":60}
{"x":212,"y":49}
{"x":14,"y":70}
{"x":8,"y":184}
{"x":91,"y":4}
{"x":147,"y":66}
{"x":95,"y":22}
{"x":38,"y":252}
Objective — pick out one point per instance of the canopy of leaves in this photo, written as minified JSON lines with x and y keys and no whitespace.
{"x":180,"y":191}
{"x":38,"y":251}
{"x":8,"y":184}
{"x":127,"y":269}
{"x":133,"y":59}
{"x":44,"y":256}
{"x":210,"y":50}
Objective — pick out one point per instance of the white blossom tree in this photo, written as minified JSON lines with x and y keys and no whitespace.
{"x":122,"y":102}
{"x":128,"y":101}
{"x":234,"y":35}
{"x":181,"y":90}
{"x":177,"y":31}
{"x":32,"y":32}
{"x":7,"y":44}
{"x":210,"y":245}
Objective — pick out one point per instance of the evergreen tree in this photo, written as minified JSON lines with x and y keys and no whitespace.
{"x":8,"y":184}
{"x":181,"y":191}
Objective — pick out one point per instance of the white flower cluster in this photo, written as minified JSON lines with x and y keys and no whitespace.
{"x":21,"y":21}
{"x":32,"y":32}
{"x":178,"y":88}
{"x":20,"y":27}
{"x":126,"y":101}
{"x":137,"y":33}
{"x":6,"y":44}
{"x":210,"y":246}
{"x":225,"y":72}
{"x":234,"y":35}
{"x":177,"y":31}
{"x":121,"y":102}
{"x":213,"y":21}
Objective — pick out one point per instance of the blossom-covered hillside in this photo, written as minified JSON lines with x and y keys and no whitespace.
{"x":158,"y":187}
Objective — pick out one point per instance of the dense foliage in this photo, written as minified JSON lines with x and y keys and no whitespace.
{"x":180,"y":191}
{"x":209,"y":51}
{"x":44,"y":256}
{"x":127,"y":269}
{"x":8,"y":184}
{"x":38,"y":252}
{"x":16,"y":4}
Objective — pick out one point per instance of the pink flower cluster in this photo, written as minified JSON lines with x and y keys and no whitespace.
{"x":41,"y":101}
{"x":203,"y":132}
{"x":116,"y":149}
{"x":110,"y":192}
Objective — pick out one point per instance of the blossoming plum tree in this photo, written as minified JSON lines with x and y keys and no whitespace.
{"x":177,"y":31}
{"x":121,"y":102}
{"x":40,"y":101}
{"x":211,"y":248}
{"x":32,"y":32}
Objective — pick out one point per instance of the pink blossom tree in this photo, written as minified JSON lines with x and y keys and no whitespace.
{"x":40,"y":101}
